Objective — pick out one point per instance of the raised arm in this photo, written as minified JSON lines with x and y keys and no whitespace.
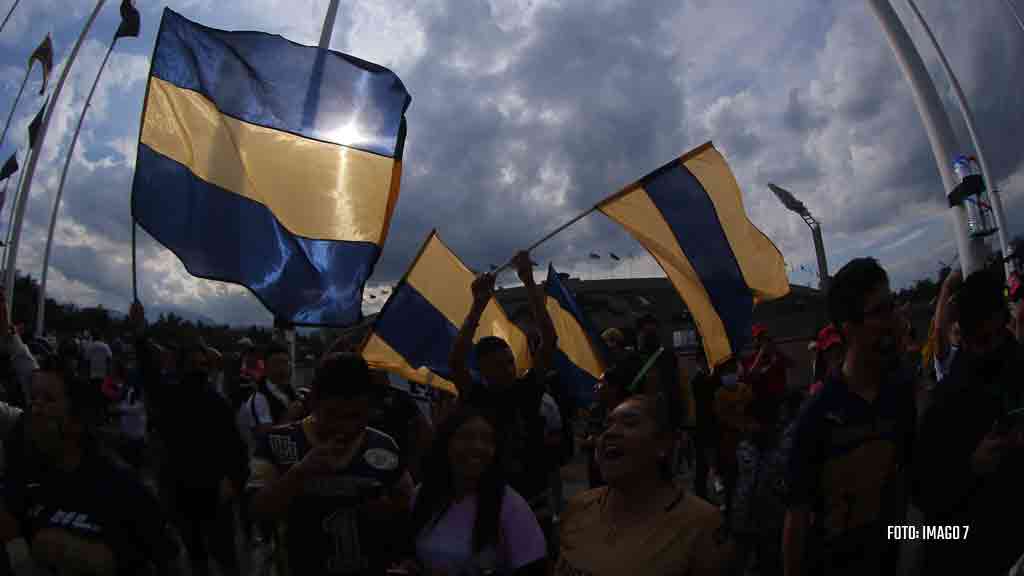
{"x":548,"y":337}
{"x":943,"y":313}
{"x":458,"y":359}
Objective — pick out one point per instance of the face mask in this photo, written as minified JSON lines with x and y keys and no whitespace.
{"x":729,"y":380}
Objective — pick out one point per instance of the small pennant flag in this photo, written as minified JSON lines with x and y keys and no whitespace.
{"x":130,"y":21}
{"x":33,"y":128}
{"x":10,"y":167}
{"x":594,"y":256}
{"x":44,"y":55}
{"x":613,"y":256}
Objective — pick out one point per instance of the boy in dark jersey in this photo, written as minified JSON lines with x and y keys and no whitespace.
{"x":339,"y":485}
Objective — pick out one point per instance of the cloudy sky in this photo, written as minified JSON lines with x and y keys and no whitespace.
{"x":526,"y":112}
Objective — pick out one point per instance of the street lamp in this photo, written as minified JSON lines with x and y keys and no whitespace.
{"x":797,"y":207}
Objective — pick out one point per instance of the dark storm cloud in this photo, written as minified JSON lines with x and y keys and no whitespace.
{"x":518,"y":124}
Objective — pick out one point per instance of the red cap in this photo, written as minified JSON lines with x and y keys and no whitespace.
{"x":828,"y":337}
{"x":758,"y":330}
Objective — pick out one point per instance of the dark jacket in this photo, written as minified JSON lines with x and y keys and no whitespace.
{"x":196,"y":429}
{"x":946,"y":488}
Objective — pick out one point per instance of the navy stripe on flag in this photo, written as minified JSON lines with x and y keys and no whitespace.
{"x":220,"y":235}
{"x":557,"y":290}
{"x":578,"y":382}
{"x":690,"y":213}
{"x":418,"y":331}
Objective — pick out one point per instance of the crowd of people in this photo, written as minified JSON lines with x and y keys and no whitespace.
{"x":167,"y":458}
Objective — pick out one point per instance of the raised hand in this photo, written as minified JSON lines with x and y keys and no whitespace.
{"x":524,"y":267}
{"x":483,"y":287}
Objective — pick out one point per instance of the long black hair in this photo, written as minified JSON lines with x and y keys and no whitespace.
{"x":436,"y":493}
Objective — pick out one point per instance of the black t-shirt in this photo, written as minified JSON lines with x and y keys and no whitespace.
{"x":849,"y":464}
{"x":99,"y":502}
{"x":518,"y":412}
{"x":394,"y":413}
{"x":327,"y":533}
{"x":973,"y":397}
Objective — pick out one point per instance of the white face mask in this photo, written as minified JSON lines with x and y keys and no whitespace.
{"x":729,"y":380}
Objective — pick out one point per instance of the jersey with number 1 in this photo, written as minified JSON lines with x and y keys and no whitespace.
{"x":326,"y":533}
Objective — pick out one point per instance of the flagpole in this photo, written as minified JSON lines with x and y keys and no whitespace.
{"x":9,"y":13}
{"x":26,"y":186}
{"x":1015,"y":14}
{"x":41,"y":310}
{"x":17,"y":99}
{"x":10,"y":216}
{"x":965,"y":109}
{"x":936,"y":124}
{"x":328,"y":30}
{"x":312,"y":102}
{"x":551,"y":235}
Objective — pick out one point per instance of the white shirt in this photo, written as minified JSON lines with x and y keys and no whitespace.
{"x":133,"y":417}
{"x":98,"y":354}
{"x":256,"y":412}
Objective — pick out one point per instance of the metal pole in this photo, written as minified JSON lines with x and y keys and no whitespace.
{"x":1015,"y":14}
{"x":548,"y":237}
{"x":936,"y":124}
{"x":9,"y":13}
{"x":328,"y":30}
{"x":10,"y":218}
{"x":965,"y":109}
{"x":41,"y":311}
{"x":14,"y":107}
{"x":26,"y":185}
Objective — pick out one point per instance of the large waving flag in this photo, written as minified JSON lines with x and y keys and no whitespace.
{"x":689,"y":215}
{"x":416,"y":329}
{"x":579,"y":358}
{"x":249,"y":179}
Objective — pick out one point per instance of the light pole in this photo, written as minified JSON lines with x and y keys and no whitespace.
{"x":1015,"y":14}
{"x":936,"y":124}
{"x":965,"y":109}
{"x":797,"y":207}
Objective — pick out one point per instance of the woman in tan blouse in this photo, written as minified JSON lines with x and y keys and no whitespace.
{"x":642,"y":523}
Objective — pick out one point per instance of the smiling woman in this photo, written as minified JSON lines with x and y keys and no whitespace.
{"x":643,"y":518}
{"x":466,"y":519}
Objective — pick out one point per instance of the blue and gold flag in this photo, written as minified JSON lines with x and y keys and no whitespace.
{"x":249,"y":176}
{"x":579,"y":356}
{"x":689,"y":215}
{"x":414,"y":333}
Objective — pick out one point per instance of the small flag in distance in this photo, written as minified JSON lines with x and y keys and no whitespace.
{"x":594,"y":256}
{"x":10,"y":167}
{"x":613,"y":256}
{"x":44,"y":55}
{"x":130,"y":21}
{"x":33,"y":128}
